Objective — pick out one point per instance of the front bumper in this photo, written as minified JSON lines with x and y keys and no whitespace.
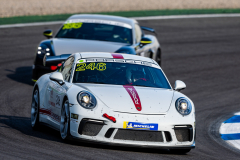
{"x":107,"y":132}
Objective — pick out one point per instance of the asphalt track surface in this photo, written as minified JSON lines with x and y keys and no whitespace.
{"x":204,"y":53}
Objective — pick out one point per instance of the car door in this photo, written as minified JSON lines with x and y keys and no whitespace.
{"x":57,"y":92}
{"x":44,"y":110}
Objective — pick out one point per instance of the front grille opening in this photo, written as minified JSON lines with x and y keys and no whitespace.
{"x":109,"y":132}
{"x":90,"y":127}
{"x":184,"y":134}
{"x":168,"y":136}
{"x":139,"y":135}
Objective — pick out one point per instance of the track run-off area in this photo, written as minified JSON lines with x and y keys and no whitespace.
{"x":202,"y":52}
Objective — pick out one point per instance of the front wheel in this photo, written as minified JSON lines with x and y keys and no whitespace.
{"x":35,"y":110}
{"x":65,"y":121}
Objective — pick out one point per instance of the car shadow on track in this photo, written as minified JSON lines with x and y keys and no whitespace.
{"x":119,"y":148}
{"x":22,"y":75}
{"x":122,"y":148}
{"x":23,"y":125}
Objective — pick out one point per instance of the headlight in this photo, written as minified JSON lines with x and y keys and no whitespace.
{"x":86,"y":100}
{"x":183,"y":106}
{"x":43,"y":49}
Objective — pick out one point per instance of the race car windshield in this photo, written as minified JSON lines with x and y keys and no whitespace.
{"x":119,"y":74}
{"x":96,"y":31}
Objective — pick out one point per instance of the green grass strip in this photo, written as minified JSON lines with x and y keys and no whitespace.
{"x":59,"y":17}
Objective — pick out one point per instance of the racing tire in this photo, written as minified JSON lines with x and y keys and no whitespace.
{"x":65,"y":121}
{"x":35,"y":110}
{"x":159,"y":57}
{"x":180,"y":151}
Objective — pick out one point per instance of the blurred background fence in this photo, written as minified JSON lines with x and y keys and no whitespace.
{"x":10,"y":8}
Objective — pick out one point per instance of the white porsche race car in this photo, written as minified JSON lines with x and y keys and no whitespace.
{"x":118,"y":99}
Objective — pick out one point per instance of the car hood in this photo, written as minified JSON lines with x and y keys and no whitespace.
{"x":68,"y":46}
{"x":127,"y":98}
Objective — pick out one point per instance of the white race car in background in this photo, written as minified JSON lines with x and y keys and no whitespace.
{"x":117,"y":99}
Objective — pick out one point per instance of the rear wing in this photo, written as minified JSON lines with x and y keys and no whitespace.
{"x":49,"y":61}
{"x":148,"y":29}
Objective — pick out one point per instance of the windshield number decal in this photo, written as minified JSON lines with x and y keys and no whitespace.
{"x":92,"y":66}
{"x":81,"y":67}
{"x":72,"y":25}
{"x":101,"y":66}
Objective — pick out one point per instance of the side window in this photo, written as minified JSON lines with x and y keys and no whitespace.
{"x":67,"y":68}
{"x":138,"y":33}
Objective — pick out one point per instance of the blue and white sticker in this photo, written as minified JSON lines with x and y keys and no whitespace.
{"x":140,"y":126}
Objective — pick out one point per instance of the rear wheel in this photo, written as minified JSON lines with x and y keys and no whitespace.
{"x":180,"y":151}
{"x":65,"y":121}
{"x":159,"y":57}
{"x":35,"y":110}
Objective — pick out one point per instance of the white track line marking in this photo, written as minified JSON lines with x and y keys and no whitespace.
{"x":234,"y":143}
{"x":187,"y":16}
{"x":238,"y":113}
{"x":137,"y":18}
{"x":30,"y":24}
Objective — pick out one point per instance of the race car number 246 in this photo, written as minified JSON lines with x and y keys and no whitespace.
{"x":91,"y":66}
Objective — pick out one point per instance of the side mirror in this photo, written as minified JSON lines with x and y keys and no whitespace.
{"x":48,"y":33}
{"x":179,"y":85}
{"x":144,"y":41}
{"x":57,"y":77}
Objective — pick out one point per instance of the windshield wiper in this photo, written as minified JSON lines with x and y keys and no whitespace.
{"x":98,"y":82}
{"x":140,"y":86}
{"x":92,"y":82}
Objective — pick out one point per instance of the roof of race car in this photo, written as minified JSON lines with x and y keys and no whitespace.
{"x":103,"y":17}
{"x":111,"y":55}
